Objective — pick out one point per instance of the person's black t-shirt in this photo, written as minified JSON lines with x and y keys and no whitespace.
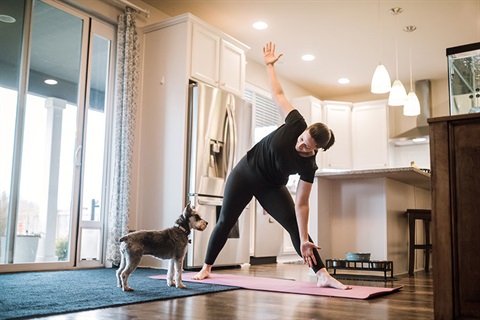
{"x":275,"y":158}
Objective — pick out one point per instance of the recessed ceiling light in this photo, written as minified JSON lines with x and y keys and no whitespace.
{"x":343,"y":80}
{"x":260,"y":25}
{"x":51,"y":82}
{"x":308,"y":57}
{"x":7,"y":19}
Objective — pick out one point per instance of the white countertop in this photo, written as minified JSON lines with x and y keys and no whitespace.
{"x":408,"y":175}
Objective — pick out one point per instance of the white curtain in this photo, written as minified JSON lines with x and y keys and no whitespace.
{"x":127,"y":70}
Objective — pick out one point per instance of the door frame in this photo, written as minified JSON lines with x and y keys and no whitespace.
{"x":88,"y":29}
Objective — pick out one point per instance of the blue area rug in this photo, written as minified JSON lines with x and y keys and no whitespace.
{"x":29,"y":294}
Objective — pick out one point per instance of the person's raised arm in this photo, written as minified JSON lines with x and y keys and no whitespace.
{"x":278,"y":96}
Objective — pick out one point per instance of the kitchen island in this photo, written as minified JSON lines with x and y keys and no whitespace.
{"x":364,"y":211}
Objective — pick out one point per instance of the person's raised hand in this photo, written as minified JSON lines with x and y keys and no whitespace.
{"x":269,"y":54}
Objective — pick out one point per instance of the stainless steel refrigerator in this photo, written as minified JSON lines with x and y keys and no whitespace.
{"x":219,"y":135}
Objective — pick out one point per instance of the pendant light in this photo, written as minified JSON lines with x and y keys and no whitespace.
{"x":412,"y":107}
{"x":381,"y":82}
{"x":398,"y":95}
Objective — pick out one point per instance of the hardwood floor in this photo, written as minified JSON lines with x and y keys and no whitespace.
{"x":413,"y":301}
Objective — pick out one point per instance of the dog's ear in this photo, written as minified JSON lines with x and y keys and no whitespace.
{"x":187,"y":211}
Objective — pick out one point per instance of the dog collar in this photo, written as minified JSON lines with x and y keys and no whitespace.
{"x":187,"y":232}
{"x":183,"y":229}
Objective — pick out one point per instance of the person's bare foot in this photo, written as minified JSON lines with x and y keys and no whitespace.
{"x":324,"y":279}
{"x":204,"y":273}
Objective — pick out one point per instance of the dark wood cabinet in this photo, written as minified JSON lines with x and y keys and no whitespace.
{"x":455,"y":177}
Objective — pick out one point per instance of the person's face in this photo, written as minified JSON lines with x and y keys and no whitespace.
{"x":305,"y":146}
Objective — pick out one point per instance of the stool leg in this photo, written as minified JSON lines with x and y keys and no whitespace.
{"x":426,"y":225}
{"x":411,"y":245}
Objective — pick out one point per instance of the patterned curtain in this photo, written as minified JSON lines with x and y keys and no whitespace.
{"x":127,"y":69}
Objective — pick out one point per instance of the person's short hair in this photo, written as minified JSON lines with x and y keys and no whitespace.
{"x":323,"y":136}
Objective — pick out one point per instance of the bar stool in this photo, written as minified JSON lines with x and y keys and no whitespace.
{"x":426,"y":216}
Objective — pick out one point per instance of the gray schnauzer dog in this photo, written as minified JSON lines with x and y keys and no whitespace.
{"x":170,"y":244}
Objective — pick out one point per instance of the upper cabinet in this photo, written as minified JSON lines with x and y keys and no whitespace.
{"x":205,"y":55}
{"x":213,"y":57}
{"x":338,"y":118}
{"x":217,"y":59}
{"x":361,"y":132}
{"x":310,"y":108}
{"x":370,"y":135}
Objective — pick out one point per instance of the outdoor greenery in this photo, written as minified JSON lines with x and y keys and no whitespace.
{"x":61,"y":249}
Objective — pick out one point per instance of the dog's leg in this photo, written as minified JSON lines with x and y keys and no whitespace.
{"x":170,"y":273}
{"x":178,"y":273}
{"x":120,"y":269}
{"x":132,"y":261}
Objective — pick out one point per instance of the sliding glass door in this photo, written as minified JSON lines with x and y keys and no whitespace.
{"x":54,"y":124}
{"x":95,"y":156}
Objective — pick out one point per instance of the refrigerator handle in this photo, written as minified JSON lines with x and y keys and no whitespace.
{"x":210,"y":202}
{"x":232,"y":129}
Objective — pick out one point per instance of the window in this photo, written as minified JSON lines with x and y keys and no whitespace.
{"x":265,"y":113}
{"x":266,"y":119}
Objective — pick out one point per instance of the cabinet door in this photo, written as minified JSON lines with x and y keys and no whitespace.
{"x":370,"y":136}
{"x":205,"y":55}
{"x":232,"y":68}
{"x":455,"y":150}
{"x":310,"y":108}
{"x":338,"y":118}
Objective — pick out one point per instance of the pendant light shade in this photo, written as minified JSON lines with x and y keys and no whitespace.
{"x":381,"y":82}
{"x":398,"y":94}
{"x":412,"y":107}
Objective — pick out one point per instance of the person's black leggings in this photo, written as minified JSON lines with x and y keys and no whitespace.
{"x":242,"y":184}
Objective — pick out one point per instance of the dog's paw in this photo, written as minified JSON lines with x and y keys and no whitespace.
{"x":181,"y":286}
{"x":170,"y":283}
{"x":127,"y":289}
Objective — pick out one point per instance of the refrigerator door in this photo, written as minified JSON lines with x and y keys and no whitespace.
{"x":220,"y":135}
{"x":242,"y":114}
{"x":209,"y":136}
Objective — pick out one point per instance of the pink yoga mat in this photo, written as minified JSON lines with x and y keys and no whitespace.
{"x":287,"y":286}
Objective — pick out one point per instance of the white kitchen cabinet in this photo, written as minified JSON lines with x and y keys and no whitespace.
{"x":205,"y":55}
{"x":370,"y":135}
{"x":310,"y":108}
{"x":338,"y":118}
{"x":218,"y":61}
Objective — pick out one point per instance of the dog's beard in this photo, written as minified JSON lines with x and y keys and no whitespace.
{"x":200,"y":226}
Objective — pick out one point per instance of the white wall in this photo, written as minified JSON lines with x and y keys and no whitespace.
{"x":256,"y":75}
{"x":403,"y":155}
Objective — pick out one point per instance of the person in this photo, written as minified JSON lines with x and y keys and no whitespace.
{"x":263,"y":173}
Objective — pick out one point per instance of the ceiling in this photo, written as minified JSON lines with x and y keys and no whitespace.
{"x":348,"y":37}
